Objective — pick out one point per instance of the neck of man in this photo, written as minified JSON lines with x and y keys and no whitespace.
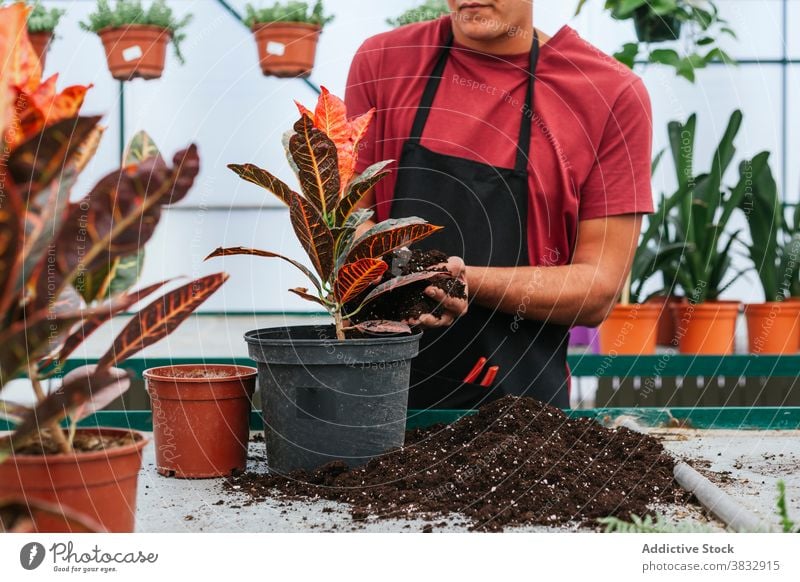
{"x":514,"y":39}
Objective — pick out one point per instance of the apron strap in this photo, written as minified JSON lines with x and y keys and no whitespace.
{"x":524,"y":145}
{"x":435,"y":79}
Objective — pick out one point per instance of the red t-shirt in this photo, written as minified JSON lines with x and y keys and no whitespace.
{"x":591,"y":137}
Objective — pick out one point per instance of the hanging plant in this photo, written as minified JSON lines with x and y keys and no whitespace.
{"x":428,"y":10}
{"x":696,"y":22}
{"x":42,"y":23}
{"x":286,"y":36}
{"x":136,"y":39}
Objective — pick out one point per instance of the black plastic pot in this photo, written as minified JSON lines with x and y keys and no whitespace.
{"x":324,"y":399}
{"x":651,"y":27}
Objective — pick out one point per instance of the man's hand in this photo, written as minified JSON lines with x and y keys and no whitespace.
{"x":454,"y":307}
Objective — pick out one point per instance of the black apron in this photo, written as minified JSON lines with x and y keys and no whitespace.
{"x":484,"y":210}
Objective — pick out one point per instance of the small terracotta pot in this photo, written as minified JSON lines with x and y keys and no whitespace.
{"x":201,"y":424}
{"x":99,"y":485}
{"x":41,"y":44}
{"x":136,"y":50}
{"x":773,"y":327}
{"x":706,"y":328}
{"x":630,"y":330}
{"x":286,"y":49}
{"x":665,"y":335}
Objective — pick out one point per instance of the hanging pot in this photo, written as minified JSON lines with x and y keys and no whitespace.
{"x":773,"y":327}
{"x":135,"y":50}
{"x":706,"y":328}
{"x":100,"y":485}
{"x":630,"y":330}
{"x":201,"y":418}
{"x":286,"y":49}
{"x":651,"y":27}
{"x":41,"y":44}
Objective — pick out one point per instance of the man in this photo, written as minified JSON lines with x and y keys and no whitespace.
{"x":534,"y":153}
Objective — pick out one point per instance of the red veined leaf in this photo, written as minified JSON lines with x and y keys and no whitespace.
{"x":314,"y":235}
{"x":353,"y":278}
{"x":12,"y":229}
{"x":13,"y":412}
{"x":24,"y":515}
{"x":317,"y":163}
{"x":232,"y":251}
{"x":360,"y":125}
{"x":382,"y":326}
{"x":358,"y":188}
{"x":304,"y":110}
{"x":330,"y":117}
{"x":160,"y":318}
{"x":121,"y":212}
{"x":88,"y":148}
{"x":397,"y":282}
{"x":303,"y":293}
{"x":89,"y":325}
{"x":389,"y":235}
{"x":259,"y":177}
{"x":38,"y":161}
{"x":98,"y":399}
{"x":58,"y":404}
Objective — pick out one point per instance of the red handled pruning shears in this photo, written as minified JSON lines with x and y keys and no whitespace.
{"x":488,"y":379}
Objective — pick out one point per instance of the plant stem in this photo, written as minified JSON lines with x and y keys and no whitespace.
{"x":54,"y":426}
{"x":337,"y":317}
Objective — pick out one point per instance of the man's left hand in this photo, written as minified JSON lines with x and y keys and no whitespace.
{"x":454,"y":307}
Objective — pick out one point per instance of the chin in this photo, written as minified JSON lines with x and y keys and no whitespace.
{"x":482,"y":31}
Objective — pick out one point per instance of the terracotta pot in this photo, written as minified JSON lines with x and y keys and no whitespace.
{"x":201,"y":424}
{"x":286,"y":49}
{"x":99,"y":485}
{"x":773,"y":327}
{"x":136,"y":50}
{"x":706,"y":328}
{"x":665,"y":335}
{"x":41,"y":44}
{"x":630,"y":330}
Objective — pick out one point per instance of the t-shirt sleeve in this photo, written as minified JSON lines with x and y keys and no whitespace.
{"x":620,"y":180}
{"x":360,"y":97}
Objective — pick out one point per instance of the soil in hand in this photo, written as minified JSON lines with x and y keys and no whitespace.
{"x":516,"y":462}
{"x":410,"y":301}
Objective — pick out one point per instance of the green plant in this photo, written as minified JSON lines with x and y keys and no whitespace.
{"x":127,"y":12}
{"x":428,"y":10}
{"x":649,"y":524}
{"x":787,"y":524}
{"x":775,"y":240}
{"x":699,"y":212}
{"x":322,"y":150}
{"x":705,"y":27}
{"x":291,"y":11}
{"x":42,"y":19}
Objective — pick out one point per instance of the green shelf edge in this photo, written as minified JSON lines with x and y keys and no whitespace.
{"x":733,"y":418}
{"x":581,"y":365}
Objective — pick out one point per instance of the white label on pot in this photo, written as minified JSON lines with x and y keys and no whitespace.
{"x":276,"y":48}
{"x":132,"y":53}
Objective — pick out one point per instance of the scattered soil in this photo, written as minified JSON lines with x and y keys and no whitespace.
{"x":43,"y":443}
{"x":516,"y":462}
{"x":410,"y":301}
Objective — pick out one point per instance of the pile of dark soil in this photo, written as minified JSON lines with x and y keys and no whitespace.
{"x":410,"y":301}
{"x":516,"y":462}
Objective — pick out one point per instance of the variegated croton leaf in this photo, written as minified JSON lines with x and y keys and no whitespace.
{"x":317,"y":163}
{"x":353,"y":278}
{"x":314,"y":235}
{"x":388,"y":236}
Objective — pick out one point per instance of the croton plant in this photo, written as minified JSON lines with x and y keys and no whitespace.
{"x":67,"y":267}
{"x":322,"y":150}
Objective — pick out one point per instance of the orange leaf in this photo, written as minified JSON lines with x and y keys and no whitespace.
{"x":390,"y":235}
{"x":304,"y":110}
{"x":353,"y":278}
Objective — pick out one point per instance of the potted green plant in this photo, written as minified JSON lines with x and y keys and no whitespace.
{"x":658,"y":21}
{"x":286,"y":36}
{"x":59,"y":265}
{"x":774,"y":248}
{"x":428,"y":10}
{"x":340,"y":391}
{"x":701,"y":215}
{"x":135,"y":39}
{"x":42,"y":23}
